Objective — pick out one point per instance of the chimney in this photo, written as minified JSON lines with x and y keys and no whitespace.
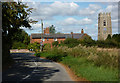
{"x":82,"y":31}
{"x":72,"y":34}
{"x":46,"y":30}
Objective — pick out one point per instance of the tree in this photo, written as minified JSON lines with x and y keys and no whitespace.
{"x":116,"y":37}
{"x":14,"y":16}
{"x":71,"y":42}
{"x":52,"y":29}
{"x":108,"y":37}
{"x":55,"y":43}
{"x":35,"y":46}
{"x":59,"y":33}
{"x":87,"y":40}
{"x":26,"y":40}
{"x":20,"y":40}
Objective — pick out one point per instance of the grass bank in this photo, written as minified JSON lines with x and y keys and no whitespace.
{"x":88,"y":70}
{"x":86,"y":62}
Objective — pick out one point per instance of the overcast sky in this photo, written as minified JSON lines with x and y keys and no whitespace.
{"x":72,"y":16}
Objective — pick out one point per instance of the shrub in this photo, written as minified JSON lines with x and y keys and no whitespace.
{"x":18,"y":45}
{"x":99,"y":58}
{"x":37,"y":54}
{"x":47,"y":47}
{"x":55,"y":54}
{"x":105,"y":59}
{"x":35,"y":46}
{"x":55,"y":43}
{"x":71,"y":42}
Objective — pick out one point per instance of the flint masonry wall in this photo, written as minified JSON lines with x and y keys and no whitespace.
{"x":104,"y":25}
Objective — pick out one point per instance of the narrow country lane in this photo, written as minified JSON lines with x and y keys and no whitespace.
{"x":31,"y":68}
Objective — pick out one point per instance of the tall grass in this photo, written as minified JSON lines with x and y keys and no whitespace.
{"x":99,"y":58}
{"x":88,"y":70}
{"x":87,"y":62}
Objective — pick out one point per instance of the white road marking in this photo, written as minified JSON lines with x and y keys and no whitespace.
{"x":26,"y":77}
{"x":35,"y":63}
{"x":31,"y":72}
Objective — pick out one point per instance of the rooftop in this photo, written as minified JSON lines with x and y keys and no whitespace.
{"x":75,"y":35}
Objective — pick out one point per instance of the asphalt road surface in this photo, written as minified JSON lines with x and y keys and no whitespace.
{"x":29,"y":68}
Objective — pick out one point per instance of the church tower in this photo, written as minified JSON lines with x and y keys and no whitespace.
{"x":104,"y":25}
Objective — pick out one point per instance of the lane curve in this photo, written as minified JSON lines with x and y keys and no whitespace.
{"x":31,"y":68}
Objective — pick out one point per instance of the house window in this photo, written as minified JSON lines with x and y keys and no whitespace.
{"x":47,"y":39}
{"x":43,"y":39}
{"x":55,"y":39}
{"x":104,"y":23}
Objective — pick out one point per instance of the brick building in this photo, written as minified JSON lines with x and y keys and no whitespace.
{"x":49,"y":38}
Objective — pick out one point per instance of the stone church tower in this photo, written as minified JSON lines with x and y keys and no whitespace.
{"x":104,"y":25}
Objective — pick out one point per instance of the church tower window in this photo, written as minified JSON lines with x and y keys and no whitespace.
{"x":104,"y":23}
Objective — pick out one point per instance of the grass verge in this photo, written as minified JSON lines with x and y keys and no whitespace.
{"x":86,"y":69}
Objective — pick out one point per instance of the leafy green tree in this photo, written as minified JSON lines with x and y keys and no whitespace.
{"x":18,"y":45}
{"x":21,"y":38}
{"x":35,"y":46}
{"x":14,"y":16}
{"x":52,"y":29}
{"x":26,"y":40}
{"x":71,"y":42}
{"x":116,"y":37}
{"x":55,"y":43}
{"x":108,"y":37}
{"x":87,"y":41}
{"x":47,"y":47}
{"x":59,"y":33}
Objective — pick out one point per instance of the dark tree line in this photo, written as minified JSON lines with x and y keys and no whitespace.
{"x":20,"y":40}
{"x":110,"y":42}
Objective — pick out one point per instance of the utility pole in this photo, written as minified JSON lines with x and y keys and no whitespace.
{"x":42,"y":29}
{"x":42,"y":35}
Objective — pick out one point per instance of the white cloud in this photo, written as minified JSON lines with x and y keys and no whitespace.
{"x":72,"y":21}
{"x":94,"y":6}
{"x":48,"y":11}
{"x":36,"y":25}
{"x":114,"y":20}
{"x":65,"y":29}
{"x":114,"y":10}
{"x":69,"y":21}
{"x":91,"y":10}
